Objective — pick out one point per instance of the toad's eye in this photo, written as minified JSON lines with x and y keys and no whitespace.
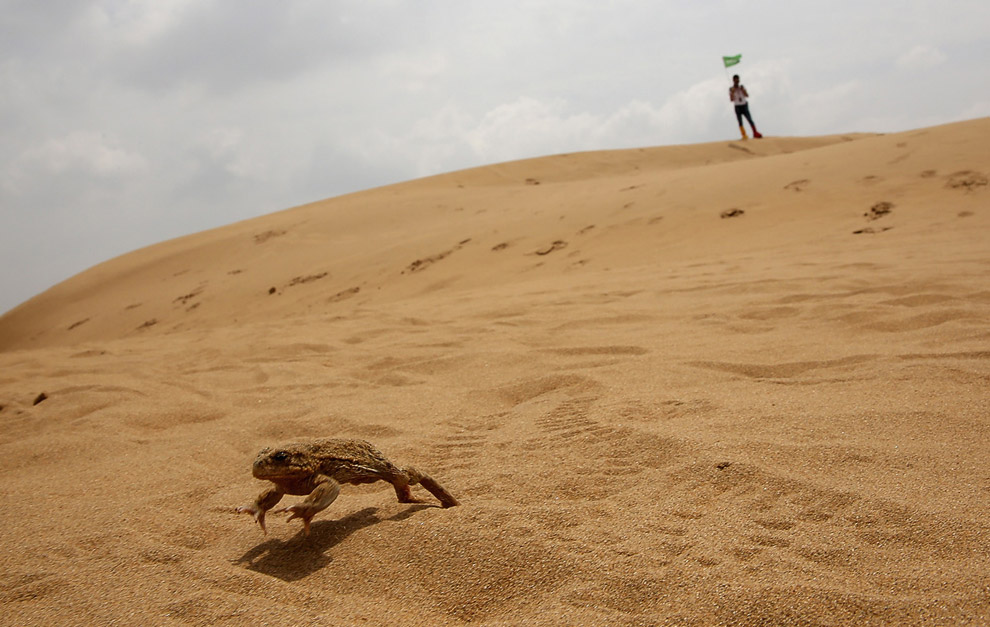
{"x":281,"y":456}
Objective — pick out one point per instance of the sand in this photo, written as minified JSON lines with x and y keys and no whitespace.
{"x":652,"y":414}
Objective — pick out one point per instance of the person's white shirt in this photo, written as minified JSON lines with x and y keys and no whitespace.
{"x":738,"y":94}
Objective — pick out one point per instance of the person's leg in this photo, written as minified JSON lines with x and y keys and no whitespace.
{"x":749,"y":117}
{"x":740,"y":110}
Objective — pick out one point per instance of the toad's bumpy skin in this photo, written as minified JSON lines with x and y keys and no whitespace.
{"x":317,"y":468}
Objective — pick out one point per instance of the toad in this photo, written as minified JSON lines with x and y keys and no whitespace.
{"x":317,"y":468}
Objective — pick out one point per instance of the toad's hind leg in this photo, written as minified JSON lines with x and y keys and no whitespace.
{"x":410,"y":476}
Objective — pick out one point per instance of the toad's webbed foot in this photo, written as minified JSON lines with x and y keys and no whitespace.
{"x":256,"y":512}
{"x":265,"y":501}
{"x":301,"y":511}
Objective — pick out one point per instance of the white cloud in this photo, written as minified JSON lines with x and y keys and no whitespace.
{"x":221,"y":142}
{"x":825,"y":106}
{"x":414,"y":73}
{"x":136,"y":22}
{"x":228,"y":148}
{"x":527,"y":127}
{"x":692,"y":112}
{"x":921,"y":57}
{"x":89,"y":151}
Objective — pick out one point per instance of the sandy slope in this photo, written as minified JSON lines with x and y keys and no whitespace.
{"x":652,"y":414}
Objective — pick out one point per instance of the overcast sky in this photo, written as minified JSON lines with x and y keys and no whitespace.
{"x":127,"y":122}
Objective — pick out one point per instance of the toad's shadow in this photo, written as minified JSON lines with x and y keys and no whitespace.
{"x":300,"y":556}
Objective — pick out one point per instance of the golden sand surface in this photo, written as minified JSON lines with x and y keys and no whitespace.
{"x":740,"y":383}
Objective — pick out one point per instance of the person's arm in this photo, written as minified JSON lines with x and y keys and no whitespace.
{"x":745,"y":93}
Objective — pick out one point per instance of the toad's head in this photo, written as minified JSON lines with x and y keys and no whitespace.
{"x":289,"y":461}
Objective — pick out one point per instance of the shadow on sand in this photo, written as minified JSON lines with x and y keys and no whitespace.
{"x":300,"y":556}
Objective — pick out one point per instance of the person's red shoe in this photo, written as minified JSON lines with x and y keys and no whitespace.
{"x":757,"y":135}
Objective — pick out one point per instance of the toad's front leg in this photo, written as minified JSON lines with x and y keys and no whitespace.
{"x":265,"y":501}
{"x":324,"y":492}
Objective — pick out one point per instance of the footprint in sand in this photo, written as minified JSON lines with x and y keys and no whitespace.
{"x":185,"y":298}
{"x":618,"y":450}
{"x":731,"y":213}
{"x":797,"y":186}
{"x":299,"y":280}
{"x":571,"y":426}
{"x":879,"y":210}
{"x":339,"y":296}
{"x":876,"y":212}
{"x":78,"y":324}
{"x":871,"y":230}
{"x":898,"y":159}
{"x":261,"y":238}
{"x":426,"y":262}
{"x":557,"y":245}
{"x":967,"y":180}
{"x":461,"y":449}
{"x":422,"y":264}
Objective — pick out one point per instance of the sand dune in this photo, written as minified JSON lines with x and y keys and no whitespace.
{"x":732,"y":383}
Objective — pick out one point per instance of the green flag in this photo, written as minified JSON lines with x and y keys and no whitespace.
{"x":730,"y":61}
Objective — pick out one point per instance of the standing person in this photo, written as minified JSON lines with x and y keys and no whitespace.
{"x":739,"y":97}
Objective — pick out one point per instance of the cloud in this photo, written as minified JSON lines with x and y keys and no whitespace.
{"x":921,"y":57}
{"x":136,"y":22}
{"x":224,"y":46}
{"x":227,"y":148}
{"x":89,"y":151}
{"x":525,"y":127}
{"x":825,"y":107}
{"x":414,"y":73}
{"x":81,"y":152}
